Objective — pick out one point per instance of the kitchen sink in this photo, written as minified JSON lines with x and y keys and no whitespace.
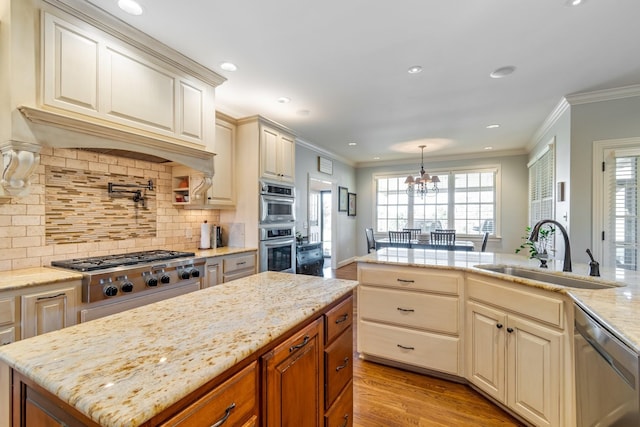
{"x":553,"y":278}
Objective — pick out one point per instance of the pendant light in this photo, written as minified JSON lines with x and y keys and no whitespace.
{"x":418,"y":185}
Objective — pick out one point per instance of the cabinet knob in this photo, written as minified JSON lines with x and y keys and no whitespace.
{"x":509,"y":330}
{"x":499,"y":326}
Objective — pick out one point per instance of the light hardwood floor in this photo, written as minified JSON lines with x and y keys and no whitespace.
{"x":390,"y":397}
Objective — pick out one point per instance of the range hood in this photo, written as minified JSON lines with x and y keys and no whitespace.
{"x":68,"y":73}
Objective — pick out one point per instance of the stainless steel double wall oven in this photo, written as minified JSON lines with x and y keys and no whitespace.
{"x":277,"y":227}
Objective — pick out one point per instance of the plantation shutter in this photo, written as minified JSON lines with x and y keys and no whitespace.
{"x":541,"y":180}
{"x":621,"y":214}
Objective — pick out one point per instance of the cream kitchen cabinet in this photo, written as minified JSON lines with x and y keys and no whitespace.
{"x":238,"y":265}
{"x":515,"y":349}
{"x":277,"y":154}
{"x":9,"y":323}
{"x":411,"y":316}
{"x":49,"y":308}
{"x":213,"y":272}
{"x":222,"y":193}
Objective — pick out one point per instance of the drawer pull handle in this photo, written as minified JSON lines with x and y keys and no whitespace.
{"x":346,"y":420}
{"x":52,"y":296}
{"x":509,"y":330}
{"x":227,"y":412}
{"x":346,"y":363}
{"x":241,"y":263}
{"x":6,"y":343}
{"x":304,"y":342}
{"x":342,"y":318}
{"x":406,"y":310}
{"x":405,"y":347}
{"x":499,"y":326}
{"x":405,"y":281}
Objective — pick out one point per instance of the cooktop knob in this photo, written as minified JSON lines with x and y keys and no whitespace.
{"x":195,"y":273}
{"x":165,"y":278}
{"x":152,"y":281}
{"x":110,"y":290}
{"x":186,"y":274}
{"x":127,"y":287}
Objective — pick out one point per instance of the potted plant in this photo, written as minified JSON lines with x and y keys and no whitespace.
{"x":540,"y":248}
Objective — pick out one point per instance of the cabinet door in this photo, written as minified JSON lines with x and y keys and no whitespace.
{"x":533,"y":371}
{"x":222,"y":191}
{"x":486,"y":349}
{"x":269,"y":153}
{"x":293,"y":380}
{"x":214,"y":273}
{"x":48,"y":311}
{"x":286,"y":158}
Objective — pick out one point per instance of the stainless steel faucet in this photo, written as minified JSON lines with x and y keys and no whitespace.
{"x":567,"y":246}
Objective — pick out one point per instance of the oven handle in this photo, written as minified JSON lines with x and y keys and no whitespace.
{"x":269,"y":198}
{"x":278,"y":242}
{"x":598,"y":337}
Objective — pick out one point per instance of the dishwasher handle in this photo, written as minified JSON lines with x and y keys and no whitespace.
{"x":621,"y":358}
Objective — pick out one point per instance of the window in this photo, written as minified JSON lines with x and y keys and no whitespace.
{"x":466,"y":201}
{"x":541,"y":181}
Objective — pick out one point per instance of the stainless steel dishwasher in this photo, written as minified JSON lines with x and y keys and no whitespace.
{"x":607,"y":384}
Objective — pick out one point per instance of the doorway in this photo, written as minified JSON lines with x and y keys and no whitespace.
{"x":320,"y":216}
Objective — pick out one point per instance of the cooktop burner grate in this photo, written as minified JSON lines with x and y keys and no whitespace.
{"x":110,"y":261}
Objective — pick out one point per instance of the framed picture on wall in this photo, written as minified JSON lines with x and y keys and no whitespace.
{"x":352,"y":204}
{"x":343,"y":199}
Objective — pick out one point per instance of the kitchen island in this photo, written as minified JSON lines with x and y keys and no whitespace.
{"x":460,"y":315}
{"x":138,"y":365}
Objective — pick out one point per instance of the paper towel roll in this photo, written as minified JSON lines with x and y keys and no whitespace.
{"x":205,"y":236}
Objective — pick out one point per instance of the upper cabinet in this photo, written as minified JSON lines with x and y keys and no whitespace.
{"x":222,"y":193}
{"x":87,"y":72}
{"x":277,"y":154}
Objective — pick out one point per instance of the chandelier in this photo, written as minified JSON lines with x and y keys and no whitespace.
{"x":418,"y":185}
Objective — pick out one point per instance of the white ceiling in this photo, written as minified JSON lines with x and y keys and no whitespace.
{"x":345,"y":62}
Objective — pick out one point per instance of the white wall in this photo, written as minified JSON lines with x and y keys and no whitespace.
{"x":344,"y":176}
{"x":513,"y":194}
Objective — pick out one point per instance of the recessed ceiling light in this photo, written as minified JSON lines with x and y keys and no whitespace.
{"x":502,"y":72}
{"x":130,"y":6}
{"x":414,"y":69}
{"x":353,"y":144}
{"x":493,"y":126}
{"x":376,"y":158}
{"x":574,"y":2}
{"x":488,"y":148}
{"x":284,"y":100}
{"x":228,"y":66}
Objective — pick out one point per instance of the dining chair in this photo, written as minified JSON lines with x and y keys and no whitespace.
{"x":443,"y":237}
{"x":414,"y":232}
{"x":400,"y":239}
{"x":485,"y":238}
{"x":371,"y":240}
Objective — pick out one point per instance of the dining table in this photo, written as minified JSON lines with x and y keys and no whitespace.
{"x":458,"y":245}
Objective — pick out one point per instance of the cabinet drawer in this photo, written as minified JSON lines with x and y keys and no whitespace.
{"x":7,"y":310}
{"x":423,"y":349}
{"x":338,"y":319}
{"x":439,"y":313}
{"x":341,"y":413}
{"x":418,"y":279}
{"x":338,"y":365}
{"x":522,"y":301}
{"x":237,"y":275}
{"x":236,"y":263}
{"x":7,"y":335}
{"x":235,"y":399}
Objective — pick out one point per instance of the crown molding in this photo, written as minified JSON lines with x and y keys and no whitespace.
{"x":603,"y":95}
{"x":549,"y":122}
{"x":452,"y":157}
{"x":325,"y":152}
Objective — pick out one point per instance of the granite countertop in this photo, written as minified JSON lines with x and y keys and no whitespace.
{"x":120,"y":375}
{"x":617,"y":307}
{"x":15,"y":279}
